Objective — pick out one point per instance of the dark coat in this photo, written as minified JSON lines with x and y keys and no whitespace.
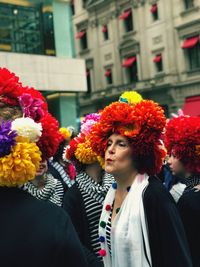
{"x":189,"y":208}
{"x":36,"y":233}
{"x":167,"y":238}
{"x":74,"y":205}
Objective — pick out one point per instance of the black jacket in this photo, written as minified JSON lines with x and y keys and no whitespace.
{"x":36,"y":233}
{"x":167,"y":239}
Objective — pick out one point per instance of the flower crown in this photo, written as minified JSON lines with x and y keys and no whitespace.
{"x":27,"y":140}
{"x":141,"y":121}
{"x":182,"y":138}
{"x":79,"y":150}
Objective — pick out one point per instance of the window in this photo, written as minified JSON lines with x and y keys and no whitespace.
{"x":154,"y":12}
{"x":82,"y":36}
{"x":21,"y":29}
{"x":84,"y":2}
{"x":108,"y":75}
{"x":158,"y":63}
{"x":105,"y":32}
{"x":130,"y":66}
{"x":89,"y":82}
{"x":127,"y":20}
{"x":49,"y":44}
{"x":188,"y":4}
{"x":72,"y":7}
{"x":192,"y":50}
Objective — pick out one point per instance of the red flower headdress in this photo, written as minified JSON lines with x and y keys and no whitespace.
{"x":79,"y":150}
{"x":141,"y":123}
{"x":33,"y":105}
{"x":182,"y":137}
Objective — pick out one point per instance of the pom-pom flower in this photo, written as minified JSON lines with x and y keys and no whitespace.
{"x":26,"y":127}
{"x":7,"y":138}
{"x":20,"y":165}
{"x":182,"y":138}
{"x":88,"y":122}
{"x":130,"y":97}
{"x":10,"y":87}
{"x":66,"y":134}
{"x":31,"y":107}
{"x":85,"y":154}
{"x":51,"y":137}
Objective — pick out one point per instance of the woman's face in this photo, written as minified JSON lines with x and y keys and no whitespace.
{"x":176,"y":166}
{"x":118,"y":156}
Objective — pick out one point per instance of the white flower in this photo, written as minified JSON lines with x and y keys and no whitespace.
{"x":27,"y":127}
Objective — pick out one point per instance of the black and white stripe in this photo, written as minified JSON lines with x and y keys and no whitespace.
{"x":93,"y":196}
{"x":62,"y":173}
{"x":52,"y":191}
{"x":108,"y":233}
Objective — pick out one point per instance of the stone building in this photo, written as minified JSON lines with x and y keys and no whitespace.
{"x":145,"y":45}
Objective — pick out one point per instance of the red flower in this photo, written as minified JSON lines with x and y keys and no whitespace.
{"x":10,"y":87}
{"x":51,"y":137}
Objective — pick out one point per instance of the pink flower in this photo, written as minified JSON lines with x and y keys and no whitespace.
{"x":31,"y":107}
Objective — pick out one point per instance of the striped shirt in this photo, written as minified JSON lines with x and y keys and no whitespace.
{"x":62,"y":173}
{"x":93,"y":196}
{"x":52,"y":191}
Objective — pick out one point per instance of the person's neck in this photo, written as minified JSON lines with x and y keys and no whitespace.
{"x":39,"y":181}
{"x":125,"y":181}
{"x":94,"y":171}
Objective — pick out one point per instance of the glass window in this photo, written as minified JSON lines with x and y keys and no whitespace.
{"x":128,"y":22}
{"x":24,"y":30}
{"x":188,"y":4}
{"x":194,"y":57}
{"x":83,"y":40}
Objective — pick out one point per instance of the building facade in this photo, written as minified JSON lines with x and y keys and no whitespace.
{"x":151,"y":46}
{"x":37,"y":43}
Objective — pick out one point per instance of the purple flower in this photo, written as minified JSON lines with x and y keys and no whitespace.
{"x":7,"y":138}
{"x":31,"y":107}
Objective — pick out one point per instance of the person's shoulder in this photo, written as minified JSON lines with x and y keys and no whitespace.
{"x":156,"y":190}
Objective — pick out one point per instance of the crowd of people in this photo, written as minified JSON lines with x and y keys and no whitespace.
{"x":124,"y":191}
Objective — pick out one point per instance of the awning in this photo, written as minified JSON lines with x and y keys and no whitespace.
{"x":190,"y":42}
{"x":107,"y":73}
{"x":154,"y":8}
{"x":192,"y":106}
{"x":80,"y":35}
{"x":125,"y":15}
{"x":128,"y":62}
{"x":157,"y":58}
{"x":104,"y":28}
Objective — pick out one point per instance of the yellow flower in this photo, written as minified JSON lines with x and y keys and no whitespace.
{"x":132,"y":97}
{"x":20,"y":165}
{"x":85,"y":154}
{"x":65,"y":133}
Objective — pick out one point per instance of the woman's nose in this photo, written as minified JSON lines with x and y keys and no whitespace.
{"x":111,"y":149}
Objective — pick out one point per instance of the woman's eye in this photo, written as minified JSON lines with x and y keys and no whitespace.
{"x":122,"y":144}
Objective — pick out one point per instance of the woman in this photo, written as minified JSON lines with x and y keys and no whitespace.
{"x":84,"y":200}
{"x":139,"y":224}
{"x":183,"y":143}
{"x":45,"y":186}
{"x":33,"y":232}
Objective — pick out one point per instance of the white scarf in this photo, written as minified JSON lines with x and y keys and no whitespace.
{"x":129,"y":235}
